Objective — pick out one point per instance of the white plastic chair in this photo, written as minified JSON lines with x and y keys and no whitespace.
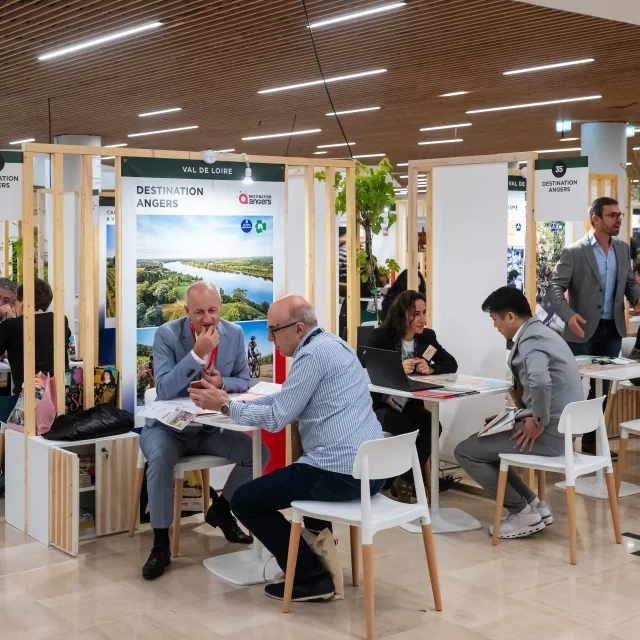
{"x":376,"y":460}
{"x":626,"y":429}
{"x":188,"y":463}
{"x":577,"y":418}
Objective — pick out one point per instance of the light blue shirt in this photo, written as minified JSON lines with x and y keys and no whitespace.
{"x":608,"y":268}
{"x":327,"y":392}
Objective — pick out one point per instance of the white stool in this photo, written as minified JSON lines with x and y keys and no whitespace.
{"x":577,"y":418}
{"x":626,"y":428}
{"x":376,"y":459}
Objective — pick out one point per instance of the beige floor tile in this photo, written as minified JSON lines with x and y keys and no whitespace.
{"x":104,"y":604}
{"x":30,"y":556}
{"x":33,"y":621}
{"x":622,"y":629}
{"x":588,"y":634}
{"x":438,"y":630}
{"x":12,"y":596}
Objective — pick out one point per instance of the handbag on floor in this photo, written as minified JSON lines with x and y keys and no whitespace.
{"x":324,"y":546}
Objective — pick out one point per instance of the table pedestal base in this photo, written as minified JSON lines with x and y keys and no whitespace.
{"x":595,"y":487}
{"x":244,"y":567}
{"x":446,"y":521}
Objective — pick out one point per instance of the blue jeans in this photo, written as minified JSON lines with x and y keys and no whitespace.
{"x":257,"y":505}
{"x":606,"y":341}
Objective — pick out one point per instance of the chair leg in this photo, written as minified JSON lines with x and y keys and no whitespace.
{"x":177,"y":514}
{"x":355,"y":555}
{"x":622,"y":461}
{"x":542,"y":478}
{"x":206,"y":490}
{"x":427,"y":536}
{"x":613,"y":504}
{"x":571,"y":512}
{"x":427,"y":475}
{"x":290,"y":570}
{"x":135,"y":499}
{"x":502,"y":485}
{"x":367,"y":566}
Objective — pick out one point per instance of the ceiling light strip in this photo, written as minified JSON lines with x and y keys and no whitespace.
{"x":441,"y":141}
{"x":157,"y":113}
{"x":452,"y":93}
{"x":152,"y":133}
{"x":283,"y":135}
{"x":23,"y":141}
{"x":358,"y":14}
{"x":350,"y":76}
{"x":371,"y":155}
{"x":446,"y":126}
{"x":342,"y":113}
{"x":556,"y":65}
{"x":113,"y":146}
{"x":534,"y":104}
{"x":559,"y":150}
{"x":336,"y":144}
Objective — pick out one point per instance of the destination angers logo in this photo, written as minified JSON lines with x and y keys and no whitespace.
{"x":255,"y":199}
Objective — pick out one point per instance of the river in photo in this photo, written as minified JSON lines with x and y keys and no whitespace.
{"x":258,"y":289}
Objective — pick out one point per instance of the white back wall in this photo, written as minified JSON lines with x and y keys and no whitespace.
{"x":469,"y":251}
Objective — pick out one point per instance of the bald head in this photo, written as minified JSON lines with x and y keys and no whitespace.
{"x":202,"y":287}
{"x":203,"y":305}
{"x":289,"y":320}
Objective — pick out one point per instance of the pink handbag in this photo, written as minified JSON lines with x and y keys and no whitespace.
{"x":46,"y":404}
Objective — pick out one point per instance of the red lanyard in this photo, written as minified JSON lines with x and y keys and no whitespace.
{"x":212,"y":357}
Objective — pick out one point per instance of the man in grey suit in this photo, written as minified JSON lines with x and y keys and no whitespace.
{"x":597,"y":273}
{"x":198,"y":346}
{"x":546,"y":378}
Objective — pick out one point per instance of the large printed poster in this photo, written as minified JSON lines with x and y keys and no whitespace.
{"x":194,"y":222}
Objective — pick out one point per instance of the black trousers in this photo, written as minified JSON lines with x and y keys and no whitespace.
{"x":413,"y":417}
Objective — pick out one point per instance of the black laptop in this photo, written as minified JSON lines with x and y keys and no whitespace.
{"x":385,"y":370}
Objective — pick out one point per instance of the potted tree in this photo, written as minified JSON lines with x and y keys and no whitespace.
{"x":374,"y":199}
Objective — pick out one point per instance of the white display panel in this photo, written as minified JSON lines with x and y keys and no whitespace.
{"x":470,"y":206}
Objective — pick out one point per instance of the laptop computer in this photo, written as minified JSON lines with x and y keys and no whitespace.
{"x":385,"y":370}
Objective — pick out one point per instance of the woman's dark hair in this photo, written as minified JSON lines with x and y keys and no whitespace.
{"x":396,"y":319}
{"x":43,"y":294}
{"x":637,"y":269}
{"x":396,"y":289}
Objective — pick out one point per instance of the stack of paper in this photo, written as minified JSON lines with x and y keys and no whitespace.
{"x":177,"y":413}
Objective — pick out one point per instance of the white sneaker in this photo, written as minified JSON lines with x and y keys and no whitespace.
{"x":520,"y":525}
{"x":543,"y":509}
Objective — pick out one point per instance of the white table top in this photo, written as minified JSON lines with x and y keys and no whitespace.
{"x":224,"y":422}
{"x":614,"y":373}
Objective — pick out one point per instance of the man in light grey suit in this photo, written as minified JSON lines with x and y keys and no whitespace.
{"x":597,"y":273}
{"x":546,"y":378}
{"x":198,"y":346}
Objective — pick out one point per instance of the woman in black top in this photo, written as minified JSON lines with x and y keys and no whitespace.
{"x":404,"y":330}
{"x":12,"y":336}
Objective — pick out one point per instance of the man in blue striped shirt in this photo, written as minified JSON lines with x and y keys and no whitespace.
{"x":327,"y":392}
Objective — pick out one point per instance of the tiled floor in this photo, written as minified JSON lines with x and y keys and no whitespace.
{"x":522,"y":589}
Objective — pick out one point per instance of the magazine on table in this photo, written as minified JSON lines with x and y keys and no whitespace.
{"x":504,"y":421}
{"x":177,"y":413}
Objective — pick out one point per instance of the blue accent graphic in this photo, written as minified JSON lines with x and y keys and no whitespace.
{"x":246,"y":225}
{"x":518,"y":226}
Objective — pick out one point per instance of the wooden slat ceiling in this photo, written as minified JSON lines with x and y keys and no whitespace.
{"x":211,"y":57}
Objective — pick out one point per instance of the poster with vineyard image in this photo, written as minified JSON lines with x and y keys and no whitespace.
{"x":550,"y":242}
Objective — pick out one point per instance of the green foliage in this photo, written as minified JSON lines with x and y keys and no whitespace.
{"x":144,"y":351}
{"x":549,"y":247}
{"x":258,"y":267}
{"x":153,"y":317}
{"x":268,"y":359}
{"x":141,"y":309}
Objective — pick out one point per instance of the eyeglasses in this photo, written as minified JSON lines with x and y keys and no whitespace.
{"x":615,"y":216}
{"x":272,"y":332}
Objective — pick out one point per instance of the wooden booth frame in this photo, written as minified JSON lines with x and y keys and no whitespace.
{"x":88,"y":256}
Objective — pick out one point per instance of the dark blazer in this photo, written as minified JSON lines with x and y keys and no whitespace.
{"x":443,"y":361}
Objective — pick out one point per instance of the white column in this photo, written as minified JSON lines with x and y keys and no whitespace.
{"x":605,"y":143}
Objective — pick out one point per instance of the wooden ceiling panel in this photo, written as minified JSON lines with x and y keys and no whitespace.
{"x":211,"y":57}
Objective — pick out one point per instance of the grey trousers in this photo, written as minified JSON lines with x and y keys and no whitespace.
{"x":162,"y":449}
{"x":479,"y":457}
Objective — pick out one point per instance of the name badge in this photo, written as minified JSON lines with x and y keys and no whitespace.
{"x":429,"y":353}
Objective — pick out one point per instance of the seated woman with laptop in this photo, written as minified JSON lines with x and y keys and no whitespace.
{"x":404,"y":330}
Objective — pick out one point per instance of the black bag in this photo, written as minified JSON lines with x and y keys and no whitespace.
{"x":100,"y":422}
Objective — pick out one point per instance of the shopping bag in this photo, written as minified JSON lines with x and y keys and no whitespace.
{"x":46,"y":407}
{"x":324,"y":546}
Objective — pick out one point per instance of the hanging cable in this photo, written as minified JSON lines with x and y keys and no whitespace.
{"x":326,"y":88}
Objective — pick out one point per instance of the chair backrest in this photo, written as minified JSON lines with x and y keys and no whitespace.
{"x":581,"y":417}
{"x":387,"y":458}
{"x":363,"y":333}
{"x":627,"y":346}
{"x":150,"y":395}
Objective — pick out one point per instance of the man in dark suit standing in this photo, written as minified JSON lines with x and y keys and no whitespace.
{"x":596,"y":272}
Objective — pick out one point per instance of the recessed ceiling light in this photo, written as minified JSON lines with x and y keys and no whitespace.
{"x":358,"y":14}
{"x":441,"y":141}
{"x":151,"y":133}
{"x":548,"y":66}
{"x":558,"y":150}
{"x":628,"y":163}
{"x":534,"y":104}
{"x":453,"y":93}
{"x":157,"y":113}
{"x":108,"y":158}
{"x":337,"y":144}
{"x":319,"y":153}
{"x":350,"y":76}
{"x":371,"y":155}
{"x":283,"y":135}
{"x":341,"y":113}
{"x":99,"y":41}
{"x":113,"y":146}
{"x":568,"y":139}
{"x":21,"y":141}
{"x":446,"y":126}
{"x":402,"y":164}
{"x":636,"y":149}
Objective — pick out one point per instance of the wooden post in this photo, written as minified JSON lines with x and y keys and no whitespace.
{"x":6,"y":244}
{"x":309,"y":236}
{"x":412,"y":231}
{"x":353,"y":276}
{"x":87,"y":283}
{"x":28,"y":284}
{"x":20,"y":221}
{"x":428,"y":254}
{"x":330,"y":251}
{"x":118,"y":230}
{"x":41,"y":232}
{"x":59,"y":337}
